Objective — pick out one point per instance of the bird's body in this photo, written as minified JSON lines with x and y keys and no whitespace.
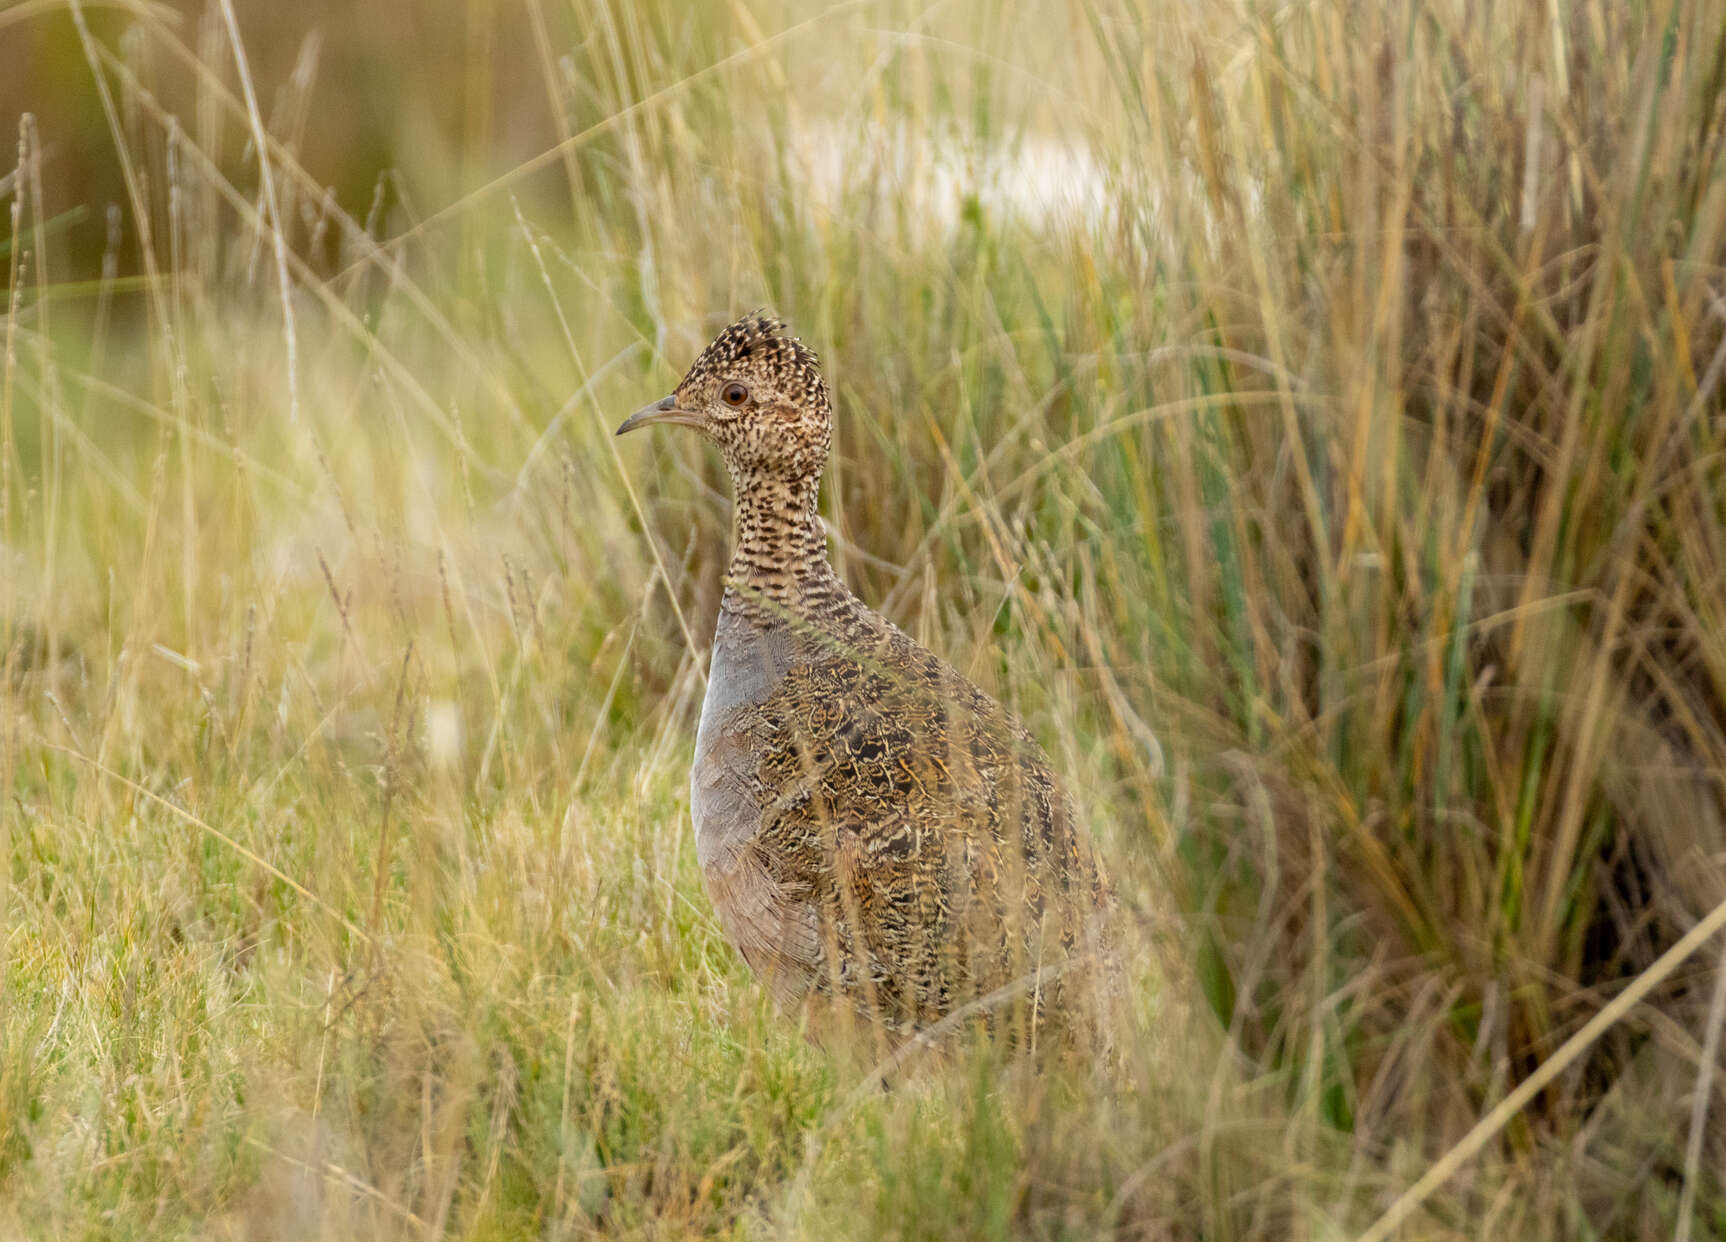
{"x":871,"y":826}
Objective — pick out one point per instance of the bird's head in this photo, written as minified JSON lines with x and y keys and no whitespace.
{"x":756,"y":391}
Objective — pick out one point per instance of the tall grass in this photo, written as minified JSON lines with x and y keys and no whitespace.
{"x":1325,"y":459}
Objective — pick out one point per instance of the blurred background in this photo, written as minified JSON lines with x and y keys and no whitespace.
{"x":1307,"y":416}
{"x":371,"y":100}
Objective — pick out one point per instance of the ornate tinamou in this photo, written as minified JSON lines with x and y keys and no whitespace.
{"x":872,"y":827}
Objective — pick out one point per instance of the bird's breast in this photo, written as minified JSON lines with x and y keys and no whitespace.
{"x":748,"y":664}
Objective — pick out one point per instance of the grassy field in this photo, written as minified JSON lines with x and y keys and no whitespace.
{"x":1309,"y":417}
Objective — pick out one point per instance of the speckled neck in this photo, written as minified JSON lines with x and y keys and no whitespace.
{"x":779,"y":566}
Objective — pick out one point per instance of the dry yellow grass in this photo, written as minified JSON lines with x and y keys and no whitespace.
{"x":1311,"y":415}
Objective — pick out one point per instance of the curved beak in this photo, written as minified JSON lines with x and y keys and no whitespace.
{"x":662,"y":411}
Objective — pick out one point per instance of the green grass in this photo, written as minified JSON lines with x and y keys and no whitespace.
{"x":1339,"y":497}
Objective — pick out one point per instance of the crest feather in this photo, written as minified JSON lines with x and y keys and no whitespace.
{"x":761,"y":345}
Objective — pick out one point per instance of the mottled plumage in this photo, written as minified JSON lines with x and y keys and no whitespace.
{"x":870,"y":825}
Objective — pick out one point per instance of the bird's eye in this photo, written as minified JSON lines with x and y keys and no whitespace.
{"x":734,"y":394}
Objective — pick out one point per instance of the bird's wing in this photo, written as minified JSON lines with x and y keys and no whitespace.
{"x":916,"y":820}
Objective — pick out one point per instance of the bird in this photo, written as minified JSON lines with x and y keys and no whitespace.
{"x":875,"y":832}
